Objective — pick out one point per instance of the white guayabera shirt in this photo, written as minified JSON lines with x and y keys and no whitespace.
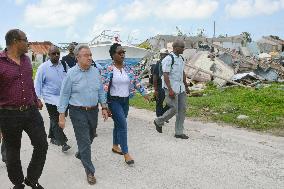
{"x":175,"y":72}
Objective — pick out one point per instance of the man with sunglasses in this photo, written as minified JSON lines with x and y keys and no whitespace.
{"x":19,"y":111}
{"x":174,"y":82}
{"x":48,"y":82}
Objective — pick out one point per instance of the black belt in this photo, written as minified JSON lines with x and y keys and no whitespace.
{"x":17,"y":108}
{"x":118,"y":97}
{"x":86,"y":108}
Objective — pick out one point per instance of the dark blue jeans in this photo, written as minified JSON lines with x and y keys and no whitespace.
{"x":119,"y":107}
{"x":84,"y":123}
{"x":55,"y":131}
{"x":13,"y":123}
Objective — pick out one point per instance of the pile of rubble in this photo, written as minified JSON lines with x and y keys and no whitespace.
{"x":225,"y":67}
{"x":225,"y":61}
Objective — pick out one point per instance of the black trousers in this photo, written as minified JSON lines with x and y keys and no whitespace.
{"x":3,"y":151}
{"x":55,"y":131}
{"x":13,"y":123}
{"x":160,"y":109}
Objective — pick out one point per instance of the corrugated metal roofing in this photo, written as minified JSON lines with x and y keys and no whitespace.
{"x":40,"y":47}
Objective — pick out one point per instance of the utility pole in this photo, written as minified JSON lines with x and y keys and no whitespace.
{"x":214,"y":34}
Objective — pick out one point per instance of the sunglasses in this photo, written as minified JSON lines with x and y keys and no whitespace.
{"x":121,"y":52}
{"x":23,"y":39}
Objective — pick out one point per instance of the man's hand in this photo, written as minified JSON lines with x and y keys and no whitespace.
{"x":39,"y":104}
{"x":147,"y":97}
{"x":61,"y":122}
{"x":156,"y":94}
{"x":1,"y":136}
{"x":171,"y":93}
{"x":105,"y":114}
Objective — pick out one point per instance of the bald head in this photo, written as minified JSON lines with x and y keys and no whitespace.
{"x":178,"y":47}
{"x":178,"y":43}
{"x":54,"y":54}
{"x":53,"y":48}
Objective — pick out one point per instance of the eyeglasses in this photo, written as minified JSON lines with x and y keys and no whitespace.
{"x":55,"y":53}
{"x":121,"y":52}
{"x":23,"y":39}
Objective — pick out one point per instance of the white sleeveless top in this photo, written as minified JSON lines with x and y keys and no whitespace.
{"x":120,"y":83}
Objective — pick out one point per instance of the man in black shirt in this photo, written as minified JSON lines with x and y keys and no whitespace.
{"x":70,"y":59}
{"x":159,"y":92}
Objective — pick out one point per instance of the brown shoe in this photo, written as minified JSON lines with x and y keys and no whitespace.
{"x":91,"y":179}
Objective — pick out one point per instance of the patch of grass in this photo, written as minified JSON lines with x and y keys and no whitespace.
{"x":139,"y":102}
{"x":264,"y":107}
{"x":35,"y":66}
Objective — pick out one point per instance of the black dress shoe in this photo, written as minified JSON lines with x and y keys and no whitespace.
{"x":182,"y":136}
{"x":4,"y":160}
{"x":21,"y":186}
{"x":158,"y":128}
{"x":32,"y":184}
{"x":54,"y":141}
{"x":65,"y":147}
{"x":77,"y":155}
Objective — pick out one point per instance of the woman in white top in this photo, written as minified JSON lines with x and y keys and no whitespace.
{"x":120,"y":83}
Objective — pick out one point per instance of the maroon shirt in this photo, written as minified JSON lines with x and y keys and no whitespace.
{"x":16,"y":83}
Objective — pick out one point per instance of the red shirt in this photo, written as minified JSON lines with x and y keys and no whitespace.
{"x":16,"y":83}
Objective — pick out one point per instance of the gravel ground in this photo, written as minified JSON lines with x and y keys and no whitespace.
{"x":214,"y":157}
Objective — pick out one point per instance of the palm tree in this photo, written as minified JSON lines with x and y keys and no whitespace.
{"x":246,"y":38}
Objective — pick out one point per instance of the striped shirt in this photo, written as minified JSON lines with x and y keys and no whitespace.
{"x":16,"y":83}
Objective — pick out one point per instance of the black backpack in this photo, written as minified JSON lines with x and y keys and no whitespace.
{"x":173,"y":61}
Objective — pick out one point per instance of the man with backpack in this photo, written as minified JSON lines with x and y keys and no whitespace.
{"x":70,"y":59}
{"x":48,"y":82}
{"x":174,"y":82}
{"x":159,"y":92}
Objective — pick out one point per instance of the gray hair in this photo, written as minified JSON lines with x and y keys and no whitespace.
{"x":78,"y":48}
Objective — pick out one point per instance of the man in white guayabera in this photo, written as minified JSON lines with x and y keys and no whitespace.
{"x":174,"y":82}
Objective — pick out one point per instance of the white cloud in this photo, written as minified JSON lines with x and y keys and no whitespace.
{"x":107,"y":18}
{"x":180,"y":9}
{"x":247,"y":8}
{"x":106,"y":21}
{"x":137,"y":10}
{"x":71,"y":34}
{"x":121,"y":18}
{"x":19,"y":2}
{"x":170,"y":9}
{"x":55,"y":13}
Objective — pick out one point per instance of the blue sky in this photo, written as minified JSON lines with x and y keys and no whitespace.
{"x":73,"y":20}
